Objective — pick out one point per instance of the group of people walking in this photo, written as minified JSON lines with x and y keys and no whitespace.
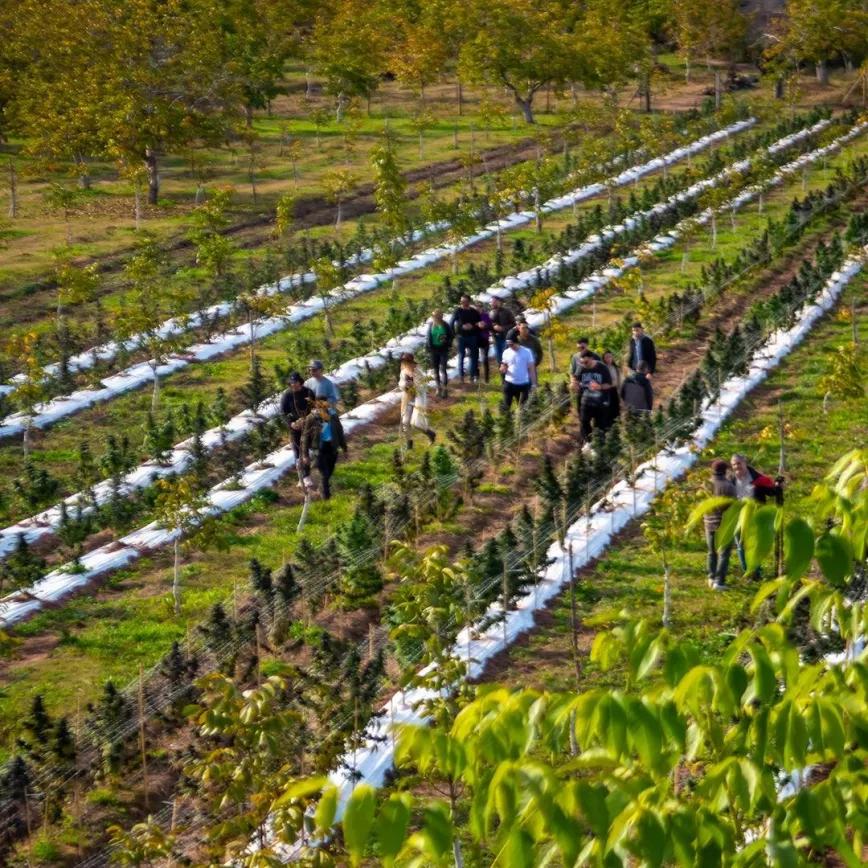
{"x":309,"y":407}
{"x":601,"y":388}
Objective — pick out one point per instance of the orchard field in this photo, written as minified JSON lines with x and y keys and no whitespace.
{"x":420,"y":623}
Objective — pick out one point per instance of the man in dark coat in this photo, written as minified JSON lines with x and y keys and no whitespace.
{"x":642,"y":349}
{"x":637,"y":392}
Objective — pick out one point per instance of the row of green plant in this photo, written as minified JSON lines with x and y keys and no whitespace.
{"x":223,"y":274}
{"x":346,"y":570}
{"x":37,"y":488}
{"x":120,"y":512}
{"x":436,"y":596}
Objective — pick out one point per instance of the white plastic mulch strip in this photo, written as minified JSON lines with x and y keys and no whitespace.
{"x":179,"y":460}
{"x":588,"y":538}
{"x":143,"y":373}
{"x":229,"y":494}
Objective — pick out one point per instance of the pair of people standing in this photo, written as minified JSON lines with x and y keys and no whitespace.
{"x":309,"y":408}
{"x":744,"y":483}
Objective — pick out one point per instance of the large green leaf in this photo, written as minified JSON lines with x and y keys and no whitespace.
{"x":710,"y":504}
{"x":759,"y":536}
{"x":326,"y":809}
{"x":358,"y":821}
{"x":764,"y":681}
{"x":835,"y":557}
{"x":798,"y":548}
{"x":728,"y":523}
{"x":392,"y":823}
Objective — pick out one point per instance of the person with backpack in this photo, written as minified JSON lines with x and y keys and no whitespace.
{"x":637,"y":393}
{"x":440,"y":336}
{"x":324,"y":434}
{"x":717,"y":562}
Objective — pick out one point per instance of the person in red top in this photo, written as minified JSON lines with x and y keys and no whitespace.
{"x":749,"y":482}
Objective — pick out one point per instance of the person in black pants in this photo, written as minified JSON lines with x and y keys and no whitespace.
{"x":295,"y":404}
{"x":593,"y":383}
{"x":465,"y":324}
{"x":440,"y":336}
{"x":519,"y":372}
{"x":642,"y":349}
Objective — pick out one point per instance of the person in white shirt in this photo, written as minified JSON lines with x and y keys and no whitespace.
{"x":413,"y":384}
{"x":519,"y":372}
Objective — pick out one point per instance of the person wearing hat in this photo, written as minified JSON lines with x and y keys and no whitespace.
{"x":519,"y":372}
{"x":296,"y":403}
{"x":413,"y":384}
{"x":718,"y":559}
{"x":322,"y":387}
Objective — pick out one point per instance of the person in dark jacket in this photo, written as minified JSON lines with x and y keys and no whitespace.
{"x":502,"y":322}
{"x":440,"y":337}
{"x":642,"y":349}
{"x":593,"y":384}
{"x":637,"y":392}
{"x":718,"y":559}
{"x":526,"y":338}
{"x":465,"y":324}
{"x":296,"y":403}
{"x":484,"y":341}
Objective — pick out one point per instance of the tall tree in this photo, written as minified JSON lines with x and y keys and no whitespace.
{"x":259,"y":41}
{"x":348,"y":49}
{"x":816,"y":31}
{"x":520,"y":45}
{"x":161,"y":81}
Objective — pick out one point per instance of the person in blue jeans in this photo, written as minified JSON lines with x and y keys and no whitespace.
{"x":502,"y":323}
{"x":465,"y":324}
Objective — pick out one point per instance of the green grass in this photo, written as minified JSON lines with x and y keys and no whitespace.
{"x":629,"y":576}
{"x":57,"y":448}
{"x":130,"y":626}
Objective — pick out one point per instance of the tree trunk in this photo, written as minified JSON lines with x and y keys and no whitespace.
{"x":822,"y":73}
{"x":667,"y":597}
{"x":153,"y":175}
{"x":339,"y":213}
{"x":83,"y":172}
{"x":718,"y":89}
{"x":339,"y":108}
{"x":646,"y":93}
{"x":137,"y":208}
{"x":176,"y":578}
{"x":248,"y":116}
{"x":779,"y":88}
{"x":526,"y":108}
{"x":13,"y":191}
{"x":459,"y":93}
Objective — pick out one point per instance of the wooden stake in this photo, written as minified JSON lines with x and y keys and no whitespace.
{"x":574,"y":621}
{"x":258,"y":658}
{"x":141,"y":698}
